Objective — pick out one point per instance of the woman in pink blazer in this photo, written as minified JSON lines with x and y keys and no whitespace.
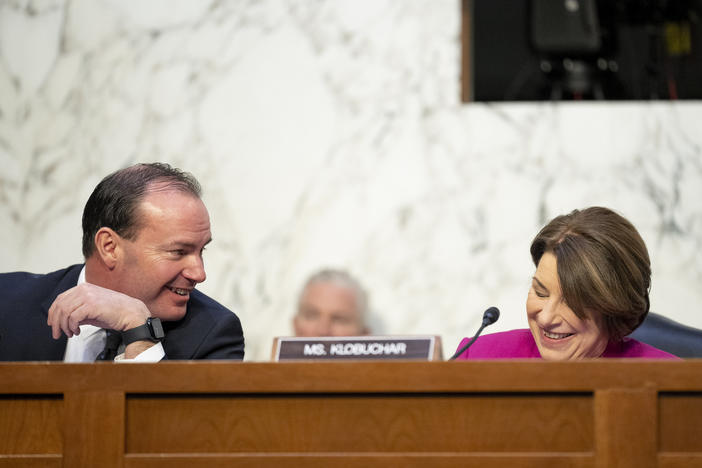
{"x":589,"y":291}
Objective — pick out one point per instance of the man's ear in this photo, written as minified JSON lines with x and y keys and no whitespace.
{"x":108,"y":246}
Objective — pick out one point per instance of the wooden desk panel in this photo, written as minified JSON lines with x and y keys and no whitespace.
{"x":374,"y":460}
{"x":680,"y":422}
{"x":30,"y":424}
{"x":487,"y":414}
{"x":365,"y":423}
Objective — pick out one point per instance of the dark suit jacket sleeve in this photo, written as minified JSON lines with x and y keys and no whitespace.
{"x":25,"y":299}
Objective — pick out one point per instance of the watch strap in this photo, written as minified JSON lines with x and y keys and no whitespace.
{"x":152,"y":330}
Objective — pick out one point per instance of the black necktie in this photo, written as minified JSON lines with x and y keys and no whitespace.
{"x":114,"y":339}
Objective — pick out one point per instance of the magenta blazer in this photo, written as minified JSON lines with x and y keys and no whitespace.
{"x":520,"y":344}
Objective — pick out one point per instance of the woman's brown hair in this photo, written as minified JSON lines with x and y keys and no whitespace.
{"x":603,"y":267}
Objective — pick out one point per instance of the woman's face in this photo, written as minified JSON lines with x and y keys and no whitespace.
{"x":560,"y":335}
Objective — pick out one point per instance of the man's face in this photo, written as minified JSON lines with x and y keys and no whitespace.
{"x":328,"y":309}
{"x":163,"y":263}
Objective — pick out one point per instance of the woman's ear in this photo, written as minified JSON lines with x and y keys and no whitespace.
{"x":107,"y":246}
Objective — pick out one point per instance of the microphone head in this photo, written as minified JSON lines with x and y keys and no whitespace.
{"x":490,"y":316}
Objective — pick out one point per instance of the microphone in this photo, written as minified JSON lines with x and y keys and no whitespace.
{"x":490,"y":316}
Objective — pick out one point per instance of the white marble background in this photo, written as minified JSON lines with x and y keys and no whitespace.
{"x":329,"y":133}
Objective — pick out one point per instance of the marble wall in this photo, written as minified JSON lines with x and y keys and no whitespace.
{"x":329,"y":133}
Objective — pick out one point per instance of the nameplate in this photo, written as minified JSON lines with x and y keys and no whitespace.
{"x":425,"y":348}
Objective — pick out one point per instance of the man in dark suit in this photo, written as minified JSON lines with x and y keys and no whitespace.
{"x":144,"y":232}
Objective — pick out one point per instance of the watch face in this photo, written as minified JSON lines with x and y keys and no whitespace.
{"x":156,"y":328}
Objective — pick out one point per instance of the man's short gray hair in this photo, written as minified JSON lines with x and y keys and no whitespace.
{"x":344,"y":279}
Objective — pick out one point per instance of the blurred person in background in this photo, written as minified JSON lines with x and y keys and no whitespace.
{"x":331,"y":303}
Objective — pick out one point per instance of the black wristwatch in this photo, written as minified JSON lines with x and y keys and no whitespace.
{"x":151,"y":330}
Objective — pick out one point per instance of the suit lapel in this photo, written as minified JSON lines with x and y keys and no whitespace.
{"x":67,"y":281}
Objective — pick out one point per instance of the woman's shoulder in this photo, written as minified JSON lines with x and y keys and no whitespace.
{"x":502,"y":345}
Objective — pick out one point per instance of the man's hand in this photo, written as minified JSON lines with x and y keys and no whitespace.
{"x":93,"y":305}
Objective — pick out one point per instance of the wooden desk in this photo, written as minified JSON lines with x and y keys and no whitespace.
{"x":353,"y":414}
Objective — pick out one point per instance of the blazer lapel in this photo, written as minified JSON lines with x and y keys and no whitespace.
{"x":69,"y":280}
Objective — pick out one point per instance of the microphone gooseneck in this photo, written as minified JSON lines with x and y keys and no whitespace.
{"x":490,"y":316}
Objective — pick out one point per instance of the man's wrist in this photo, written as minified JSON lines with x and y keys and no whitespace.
{"x":136,"y":316}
